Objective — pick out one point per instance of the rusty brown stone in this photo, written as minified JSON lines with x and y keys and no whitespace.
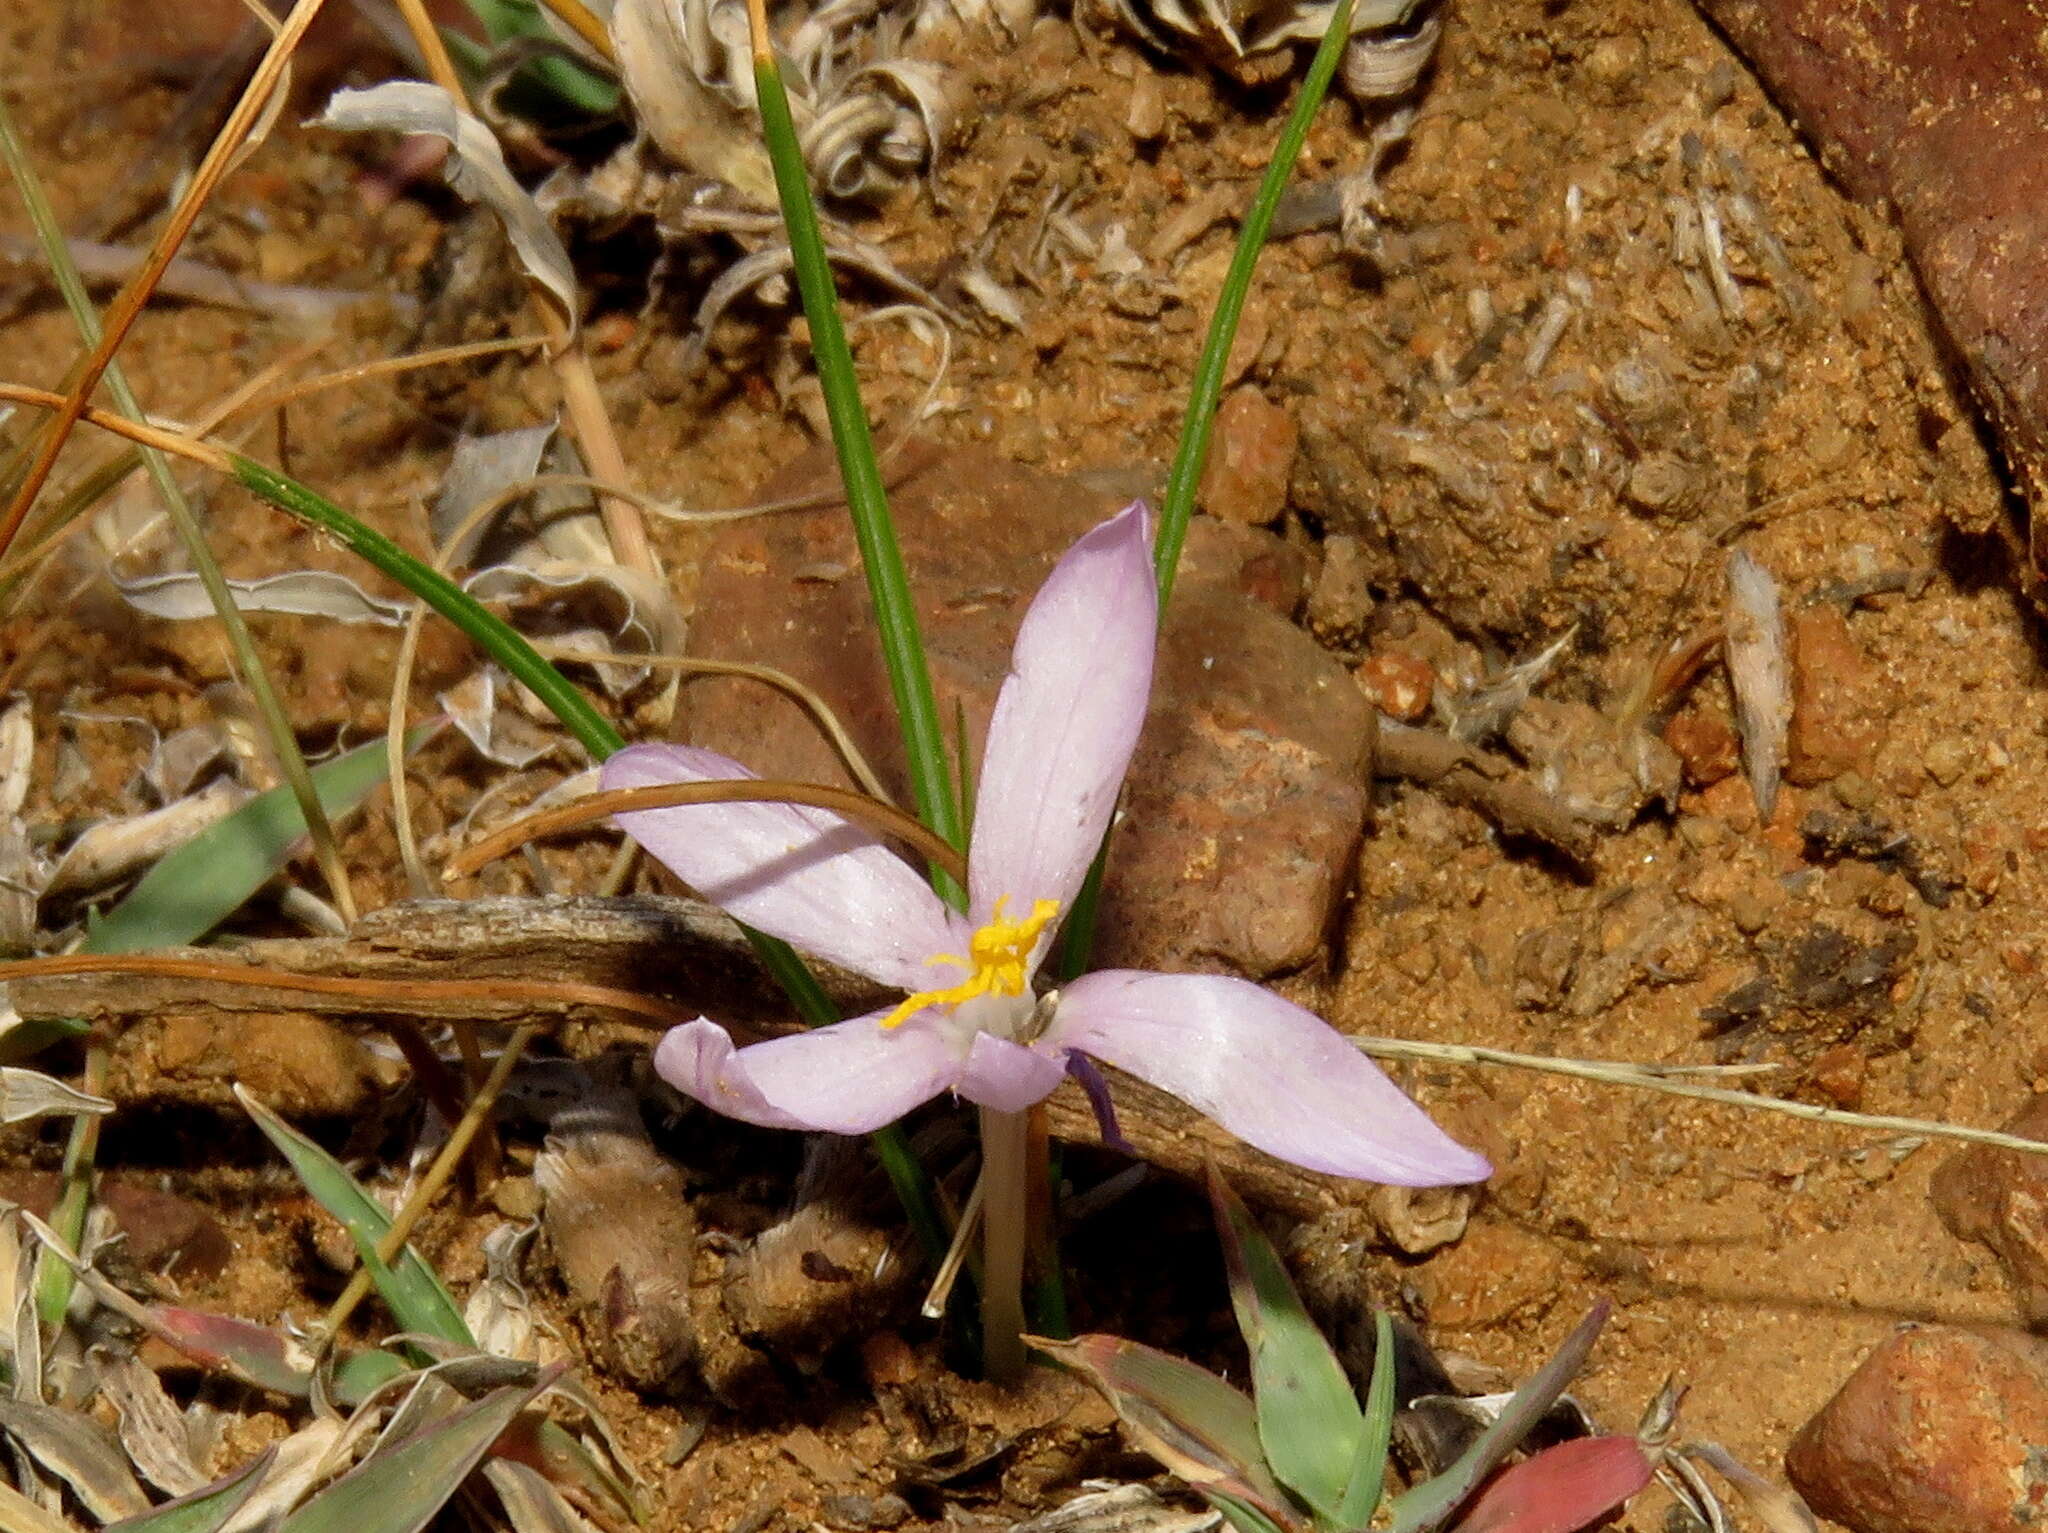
{"x":1250,"y":459}
{"x":1399,"y":682}
{"x":1937,"y":1431}
{"x":1836,"y":700}
{"x":1999,"y":1199}
{"x":162,"y":1232}
{"x":1934,"y":108}
{"x":1247,"y":795}
{"x":1705,"y":743}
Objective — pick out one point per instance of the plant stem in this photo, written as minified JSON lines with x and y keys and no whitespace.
{"x":1207,"y":388}
{"x":910,"y":682}
{"x":1006,"y":1193}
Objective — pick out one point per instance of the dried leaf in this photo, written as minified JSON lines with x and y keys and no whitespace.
{"x":498,"y":733}
{"x":110,"y":851}
{"x":1201,"y":1429}
{"x":1427,"y":1505}
{"x":666,"y":53}
{"x":26,"y":1094}
{"x":476,"y":170}
{"x":1120,"y":1509}
{"x":1561,"y":1489}
{"x":531,"y":1503}
{"x":482,"y":469}
{"x":1777,"y":1507}
{"x":79,"y":1452}
{"x":17,"y":757}
{"x":180,"y":597}
{"x":152,"y":1428}
{"x":1761,"y":677}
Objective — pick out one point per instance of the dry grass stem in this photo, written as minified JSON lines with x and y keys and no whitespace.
{"x":121,"y":315}
{"x":882,"y":817}
{"x":407,"y":1219}
{"x":1648,"y":1078}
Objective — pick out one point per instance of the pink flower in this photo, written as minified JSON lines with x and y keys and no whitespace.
{"x":1064,"y":727}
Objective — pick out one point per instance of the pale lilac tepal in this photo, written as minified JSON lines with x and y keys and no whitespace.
{"x":1064,"y":726}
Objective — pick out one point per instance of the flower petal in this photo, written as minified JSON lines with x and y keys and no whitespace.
{"x":1007,"y":1076}
{"x":1066,"y":719}
{"x":849,"y":1078}
{"x":808,"y":876}
{"x":1278,"y":1077}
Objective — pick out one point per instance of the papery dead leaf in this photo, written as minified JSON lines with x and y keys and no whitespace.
{"x":1760,"y":674}
{"x":475,"y":169}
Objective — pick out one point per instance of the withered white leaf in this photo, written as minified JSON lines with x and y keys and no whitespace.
{"x":180,"y":597}
{"x":1758,"y":671}
{"x":476,"y":170}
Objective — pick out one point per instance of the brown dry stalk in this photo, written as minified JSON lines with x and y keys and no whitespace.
{"x":173,"y":442}
{"x":399,"y":996}
{"x":601,"y":806}
{"x":581,"y":400}
{"x":121,"y":315}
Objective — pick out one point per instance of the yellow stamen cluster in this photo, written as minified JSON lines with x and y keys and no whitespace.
{"x":998,"y":961}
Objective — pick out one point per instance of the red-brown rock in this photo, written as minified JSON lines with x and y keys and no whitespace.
{"x":1837,"y":700}
{"x":2000,"y":1199}
{"x":1246,"y":798}
{"x":1936,"y":109}
{"x":1250,"y":458}
{"x":1937,"y":1431}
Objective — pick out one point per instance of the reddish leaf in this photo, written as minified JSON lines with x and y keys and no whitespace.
{"x":1561,"y":1489}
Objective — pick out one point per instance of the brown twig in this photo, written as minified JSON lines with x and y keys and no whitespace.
{"x":1471,"y":777}
{"x":127,"y":305}
{"x":886,"y":818}
{"x":410,"y":996}
{"x":581,"y":400}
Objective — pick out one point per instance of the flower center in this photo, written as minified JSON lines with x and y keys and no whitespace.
{"x":998,"y":963}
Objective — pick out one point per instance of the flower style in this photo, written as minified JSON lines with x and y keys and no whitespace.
{"x":1064,"y":727}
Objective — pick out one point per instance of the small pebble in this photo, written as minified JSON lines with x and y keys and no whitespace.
{"x":1250,"y":459}
{"x":516,"y":1197}
{"x":1341,"y":601}
{"x":1946,"y":760}
{"x":1399,"y":683}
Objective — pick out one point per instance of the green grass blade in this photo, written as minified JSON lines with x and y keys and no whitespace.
{"x":1309,"y":1422}
{"x":594,"y":732}
{"x":1369,"y":1474}
{"x":1207,"y":389}
{"x":489,"y":632}
{"x":1430,"y":1504}
{"x":282,"y":739}
{"x":910,"y":681}
{"x":400,"y":1487}
{"x":206,"y":1510}
{"x":193,"y":889}
{"x":411,"y":1287}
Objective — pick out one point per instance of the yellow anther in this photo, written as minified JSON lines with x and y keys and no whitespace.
{"x":998,"y":961}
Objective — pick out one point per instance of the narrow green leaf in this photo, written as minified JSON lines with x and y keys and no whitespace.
{"x":1429,"y":1504}
{"x":594,"y":732}
{"x":207,"y":1509}
{"x":1309,"y":1421}
{"x":1207,"y":387}
{"x":1200,"y":1428}
{"x":1369,"y":1470}
{"x":1244,"y":1518}
{"x":193,"y":889}
{"x":910,"y":682}
{"x":400,"y":1487}
{"x":411,"y":1288}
